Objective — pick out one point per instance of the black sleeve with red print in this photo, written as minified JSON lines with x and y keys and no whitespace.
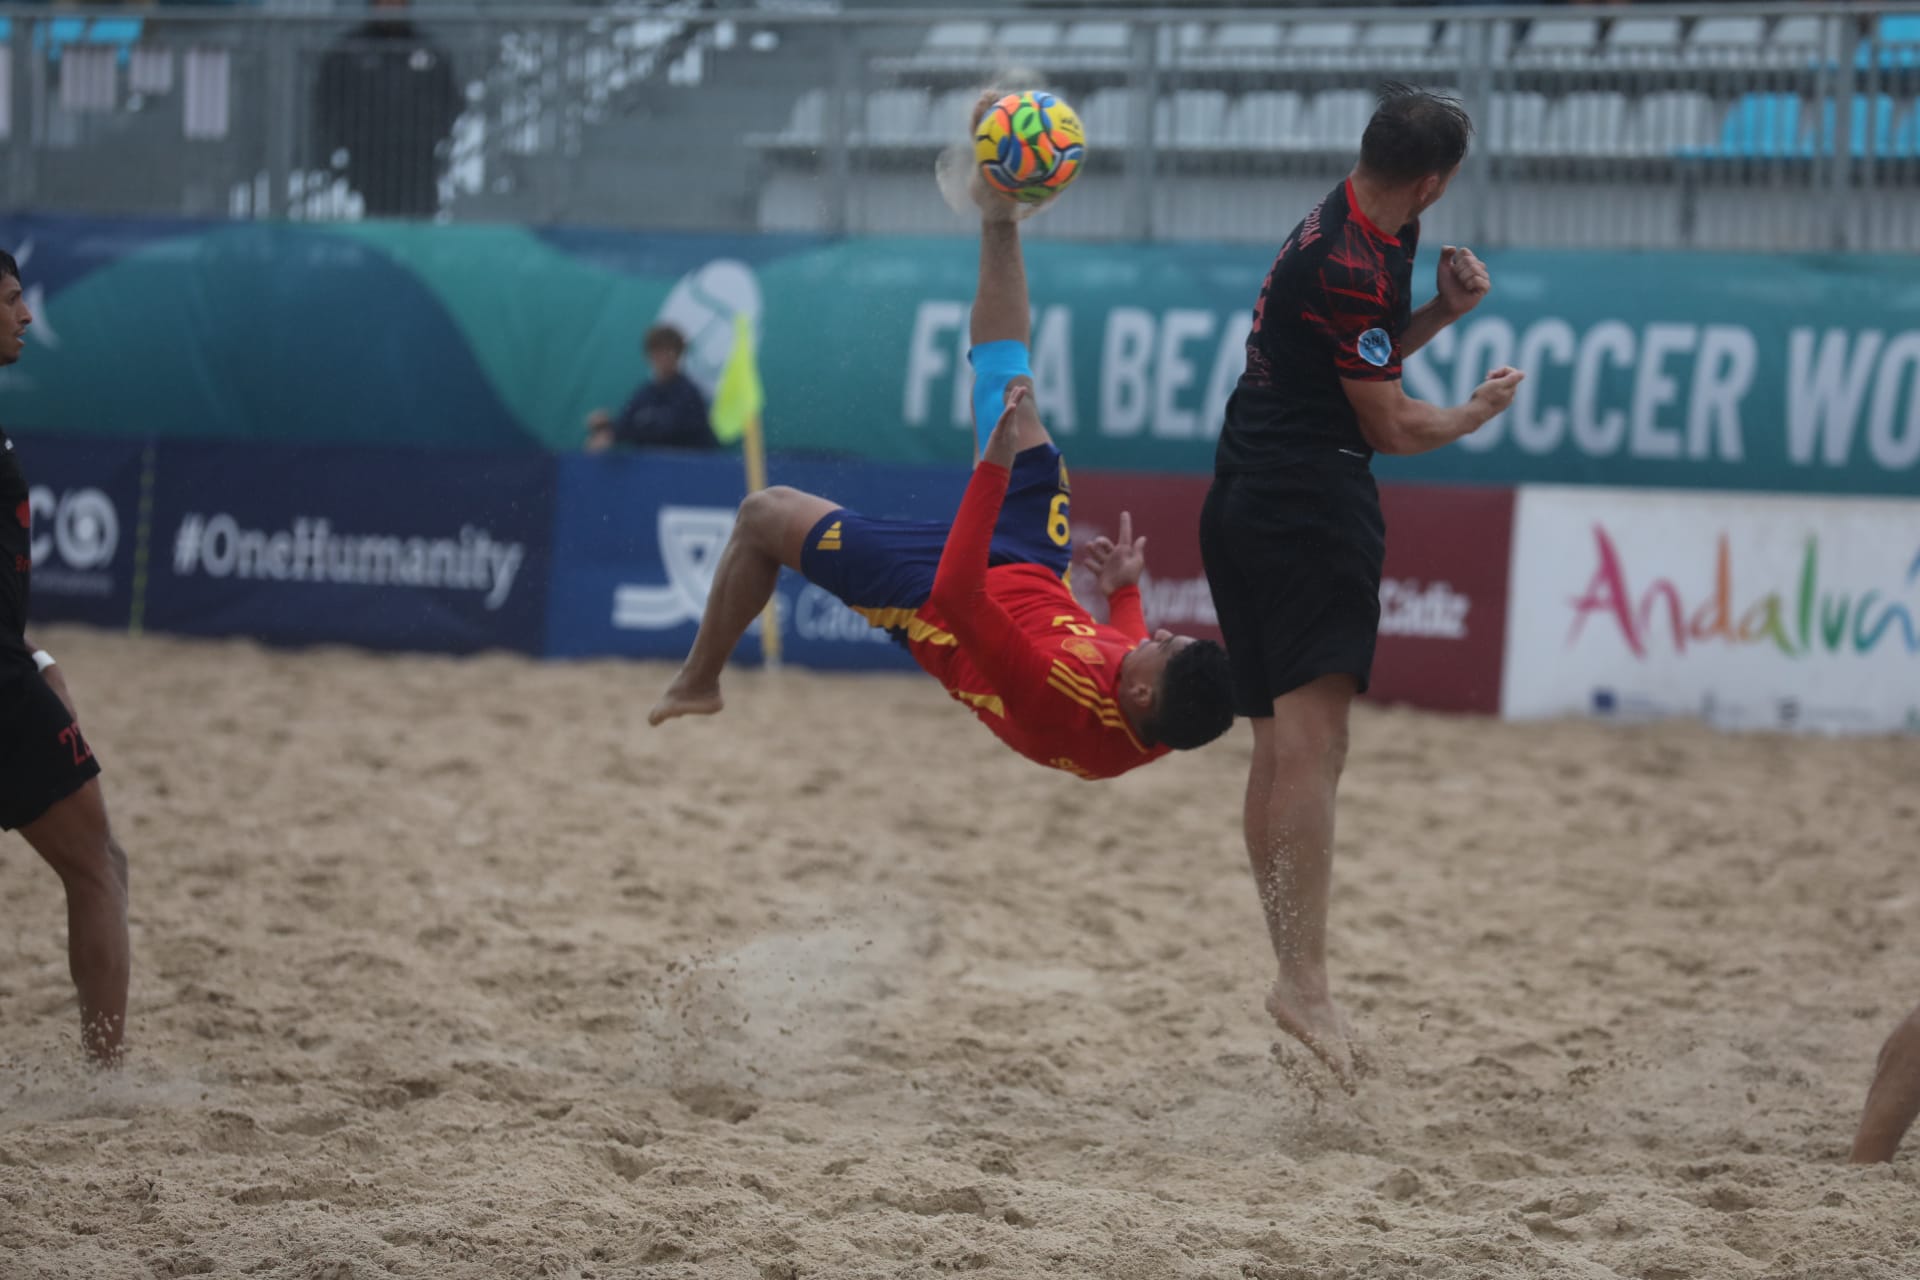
{"x":1336,"y":281}
{"x":1351,"y":305}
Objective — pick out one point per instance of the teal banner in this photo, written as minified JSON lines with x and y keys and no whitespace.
{"x":1703,"y":371}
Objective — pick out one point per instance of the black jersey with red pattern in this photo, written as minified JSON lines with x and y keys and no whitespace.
{"x":16,"y":563}
{"x":1335,"y":304}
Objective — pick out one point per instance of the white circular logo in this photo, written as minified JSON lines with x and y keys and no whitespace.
{"x":86,"y":528}
{"x":702,"y":306}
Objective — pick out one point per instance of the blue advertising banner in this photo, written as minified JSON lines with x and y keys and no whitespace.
{"x":385,"y":548}
{"x":85,"y":496}
{"x":637,"y":540}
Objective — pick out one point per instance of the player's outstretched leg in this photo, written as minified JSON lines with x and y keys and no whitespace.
{"x":75,"y":839}
{"x":1894,"y":1099}
{"x":769,"y":532}
{"x":1297,"y":759}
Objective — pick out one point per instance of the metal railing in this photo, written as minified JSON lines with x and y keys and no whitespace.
{"x":1772,"y":126}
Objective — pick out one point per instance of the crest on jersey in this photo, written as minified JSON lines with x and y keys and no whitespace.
{"x":1085,"y":650}
{"x":1375,"y":347}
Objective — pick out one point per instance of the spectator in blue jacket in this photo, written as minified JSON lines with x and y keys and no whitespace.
{"x":666,"y":413}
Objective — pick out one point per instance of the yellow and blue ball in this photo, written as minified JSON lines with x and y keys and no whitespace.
{"x":1029,"y":146}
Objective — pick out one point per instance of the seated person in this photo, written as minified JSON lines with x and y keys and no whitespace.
{"x":666,"y":413}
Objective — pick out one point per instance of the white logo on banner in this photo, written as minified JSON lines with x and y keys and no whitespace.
{"x":75,"y":536}
{"x":702,"y":306}
{"x":85,"y":528}
{"x":1433,"y":612}
{"x":311,"y":551}
{"x":691,"y":540}
{"x":1749,"y":610}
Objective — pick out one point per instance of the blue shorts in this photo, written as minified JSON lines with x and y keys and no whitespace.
{"x":883,"y":569}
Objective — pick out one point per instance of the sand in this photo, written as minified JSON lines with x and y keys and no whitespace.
{"x":452,"y":968}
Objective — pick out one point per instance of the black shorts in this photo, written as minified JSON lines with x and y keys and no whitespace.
{"x":1294,"y":557}
{"x":43,"y":758}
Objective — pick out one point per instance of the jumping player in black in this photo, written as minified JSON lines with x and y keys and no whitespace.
{"x":49,"y":780}
{"x":1292,"y":534}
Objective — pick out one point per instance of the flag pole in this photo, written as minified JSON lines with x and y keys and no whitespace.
{"x":753,"y":447}
{"x":737,"y":402}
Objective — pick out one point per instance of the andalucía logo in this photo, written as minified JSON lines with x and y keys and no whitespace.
{"x":1800,"y":619}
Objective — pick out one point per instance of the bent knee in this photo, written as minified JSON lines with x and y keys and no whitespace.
{"x":91,"y":870}
{"x":1312,"y":746}
{"x":766,"y":512}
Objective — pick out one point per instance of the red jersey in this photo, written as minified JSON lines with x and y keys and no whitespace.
{"x":1014,"y":645}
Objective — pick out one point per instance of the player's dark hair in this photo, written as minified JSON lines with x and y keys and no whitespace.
{"x":1196,"y":698}
{"x":664,"y":337}
{"x":8,"y":267}
{"x":1414,"y":134}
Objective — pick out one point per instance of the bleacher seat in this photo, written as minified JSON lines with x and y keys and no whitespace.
{"x":1798,"y":33}
{"x":1898,"y":42}
{"x":1727,"y":42}
{"x":1560,"y":41}
{"x":946,"y":119}
{"x":1500,"y":39}
{"x":1517,"y":122}
{"x":1266,"y":120}
{"x":1243,"y":41}
{"x":807,"y":121}
{"x":1878,"y":138}
{"x":1676,"y":121}
{"x":1195,"y":118}
{"x":1642,"y":41}
{"x":1317,"y":40}
{"x":1587,"y":124}
{"x":1900,"y":28}
{"x":1107,"y":114}
{"x":1397,"y":37}
{"x":1028,"y":39}
{"x":1096,"y":42}
{"x":895,"y":116}
{"x":954,"y":42}
{"x":1334,"y":120}
{"x":1906,"y":133}
{"x":1184,"y":42}
{"x":1764,"y":124}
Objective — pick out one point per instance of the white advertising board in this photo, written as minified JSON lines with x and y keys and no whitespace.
{"x":1749,"y":610}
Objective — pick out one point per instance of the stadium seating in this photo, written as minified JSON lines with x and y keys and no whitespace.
{"x":1264,"y":120}
{"x":1764,"y":125}
{"x":1108,"y":117}
{"x":949,"y":44}
{"x":895,"y":117}
{"x":1090,"y":45}
{"x":1673,"y":123}
{"x":1193,"y":118}
{"x":1591,"y":123}
{"x":1726,"y":41}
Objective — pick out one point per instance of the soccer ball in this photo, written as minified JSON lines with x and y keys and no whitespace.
{"x":1029,"y":146}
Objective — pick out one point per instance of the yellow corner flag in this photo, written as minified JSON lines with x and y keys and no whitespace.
{"x":738,"y":398}
{"x":737,"y":402}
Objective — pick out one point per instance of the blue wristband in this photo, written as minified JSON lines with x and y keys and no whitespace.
{"x":995,"y":364}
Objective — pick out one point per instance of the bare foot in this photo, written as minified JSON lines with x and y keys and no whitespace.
{"x":682,"y":699}
{"x":1319,"y":1025}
